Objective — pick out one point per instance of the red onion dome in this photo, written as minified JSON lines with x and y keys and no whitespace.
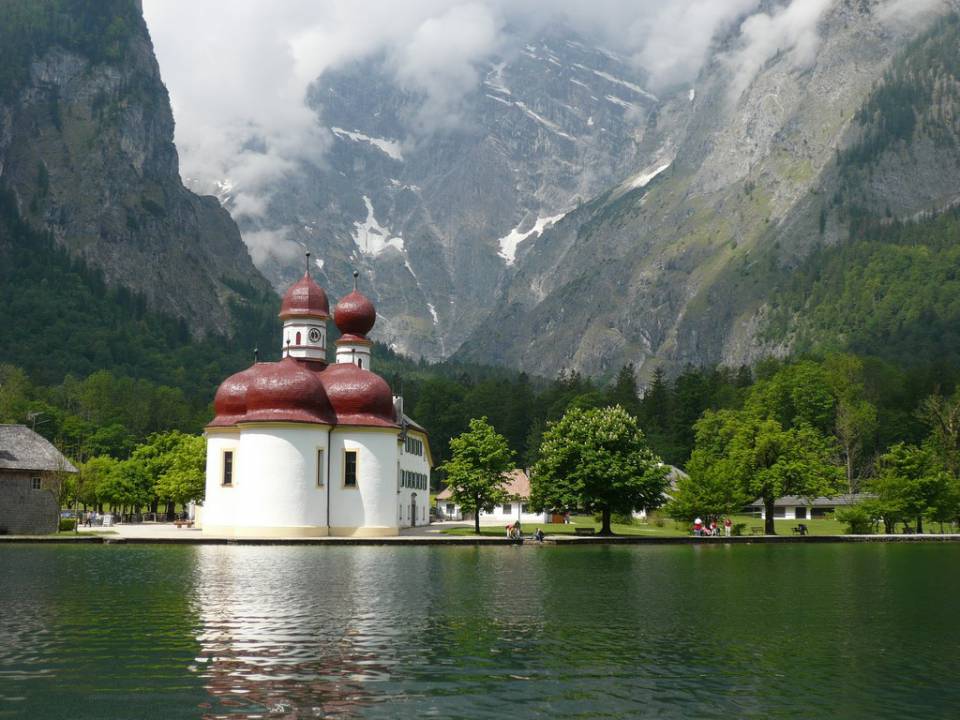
{"x":304,"y":299}
{"x":355,"y":314}
{"x":230,"y":402}
{"x":359,"y":397}
{"x":287,"y":391}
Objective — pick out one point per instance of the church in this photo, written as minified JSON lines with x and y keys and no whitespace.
{"x":304,"y":448}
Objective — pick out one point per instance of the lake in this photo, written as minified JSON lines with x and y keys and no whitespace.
{"x":748,"y":631}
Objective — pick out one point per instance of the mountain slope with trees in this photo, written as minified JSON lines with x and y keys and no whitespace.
{"x":87,"y":154}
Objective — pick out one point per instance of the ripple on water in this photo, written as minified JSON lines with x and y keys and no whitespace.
{"x":238,"y":632}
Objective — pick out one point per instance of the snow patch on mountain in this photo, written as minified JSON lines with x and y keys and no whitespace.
{"x":371,"y":237}
{"x":645,"y":177}
{"x":509,"y":242}
{"x":385,"y":145}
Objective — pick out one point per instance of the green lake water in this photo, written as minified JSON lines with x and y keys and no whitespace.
{"x":761,"y":631}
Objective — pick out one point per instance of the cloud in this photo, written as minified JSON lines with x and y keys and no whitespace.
{"x":790,"y":29}
{"x":266,"y":244}
{"x":239,"y":71}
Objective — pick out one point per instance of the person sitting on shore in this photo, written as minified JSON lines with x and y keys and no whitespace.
{"x":538,"y":535}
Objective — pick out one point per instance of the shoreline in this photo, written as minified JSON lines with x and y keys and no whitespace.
{"x":466,"y":540}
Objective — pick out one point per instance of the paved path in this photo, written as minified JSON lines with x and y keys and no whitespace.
{"x":167,"y":533}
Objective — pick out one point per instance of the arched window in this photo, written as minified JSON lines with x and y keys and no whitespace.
{"x":298,"y":337}
{"x":360,"y":363}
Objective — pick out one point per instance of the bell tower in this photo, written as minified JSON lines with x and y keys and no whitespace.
{"x":354,"y":316}
{"x":304,"y":312}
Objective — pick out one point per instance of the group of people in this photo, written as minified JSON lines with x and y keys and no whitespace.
{"x":515,"y":533}
{"x":702,"y":530}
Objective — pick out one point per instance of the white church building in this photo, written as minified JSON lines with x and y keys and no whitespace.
{"x":303,"y":448}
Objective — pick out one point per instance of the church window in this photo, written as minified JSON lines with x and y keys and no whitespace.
{"x":298,"y":337}
{"x":350,"y":468}
{"x":35,"y":483}
{"x":228,"y":467}
{"x":319,"y":468}
{"x":360,"y":363}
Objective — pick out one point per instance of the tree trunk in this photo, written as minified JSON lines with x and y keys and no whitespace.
{"x":476,"y":518}
{"x":920,"y":524}
{"x":850,"y":471}
{"x":171,"y":510}
{"x":769,"y":528}
{"x":605,"y":527}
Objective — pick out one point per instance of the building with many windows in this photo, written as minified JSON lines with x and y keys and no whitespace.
{"x":302,"y":448}
{"x":515,"y":508}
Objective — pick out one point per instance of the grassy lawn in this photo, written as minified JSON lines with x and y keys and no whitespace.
{"x":651,"y":528}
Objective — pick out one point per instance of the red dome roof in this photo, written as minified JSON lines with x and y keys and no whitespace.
{"x":305,"y":299}
{"x":355,"y":314}
{"x":230,"y":402}
{"x":359,"y":397}
{"x":287,"y":391}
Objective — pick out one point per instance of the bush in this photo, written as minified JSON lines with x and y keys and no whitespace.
{"x":859,"y":521}
{"x":737,"y":529}
{"x":67,"y":524}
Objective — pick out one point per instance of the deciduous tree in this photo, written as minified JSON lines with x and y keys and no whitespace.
{"x":597,"y":460}
{"x":477,"y":469}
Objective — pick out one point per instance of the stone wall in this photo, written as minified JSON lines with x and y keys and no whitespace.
{"x":23,"y":510}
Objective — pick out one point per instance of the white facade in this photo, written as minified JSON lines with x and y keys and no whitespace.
{"x":305,"y":338}
{"x":356,"y":353}
{"x":286,"y":481}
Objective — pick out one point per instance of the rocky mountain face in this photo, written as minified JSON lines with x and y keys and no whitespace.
{"x":684,"y":263}
{"x":86,"y":147}
{"x":437,"y":220}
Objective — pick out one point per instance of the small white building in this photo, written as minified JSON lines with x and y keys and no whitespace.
{"x":517,"y":507}
{"x":794,"y":507}
{"x":303,"y":448}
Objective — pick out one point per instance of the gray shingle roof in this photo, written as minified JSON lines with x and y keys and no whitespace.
{"x":23,"y":449}
{"x":818,"y":501}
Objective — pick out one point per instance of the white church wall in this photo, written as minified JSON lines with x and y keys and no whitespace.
{"x":218,"y":500}
{"x":413,"y":503}
{"x":274,"y":489}
{"x":370,"y":507}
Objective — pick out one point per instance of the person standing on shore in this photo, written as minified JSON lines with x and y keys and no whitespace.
{"x":698,"y":527}
{"x":727,"y":526}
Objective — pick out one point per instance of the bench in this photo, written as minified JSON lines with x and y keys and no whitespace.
{"x":181,"y":523}
{"x":800,"y":529}
{"x":584,"y":531}
{"x":756,"y":530}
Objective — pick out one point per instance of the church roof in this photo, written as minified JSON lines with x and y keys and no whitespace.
{"x":517,"y":487}
{"x":305,"y":299}
{"x":23,"y":449}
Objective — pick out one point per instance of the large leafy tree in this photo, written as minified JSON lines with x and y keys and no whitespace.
{"x":761,"y":458}
{"x":597,"y":460}
{"x":943,"y":416}
{"x":912,"y":484}
{"x":856,"y":417}
{"x":708,"y":489}
{"x":184,"y":477}
{"x":476,"y":472}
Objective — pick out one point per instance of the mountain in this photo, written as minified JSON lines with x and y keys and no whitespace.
{"x":435,"y":217}
{"x":696,"y":265}
{"x":86,"y":151}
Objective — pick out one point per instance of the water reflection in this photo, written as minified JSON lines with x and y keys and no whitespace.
{"x":291,"y":632}
{"x":397,"y":632}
